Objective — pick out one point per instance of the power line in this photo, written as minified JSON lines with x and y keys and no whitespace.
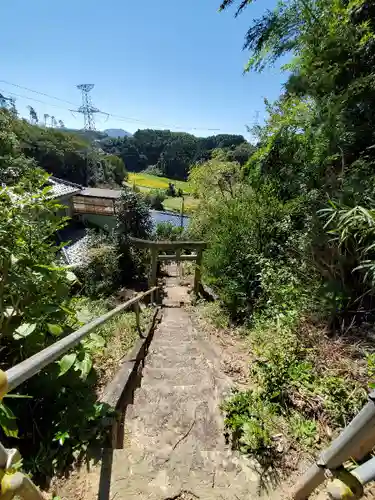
{"x":37,"y":92}
{"x":125,"y":119}
{"x":33,"y":99}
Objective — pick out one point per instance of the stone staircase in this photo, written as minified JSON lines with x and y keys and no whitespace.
{"x":173,"y":432}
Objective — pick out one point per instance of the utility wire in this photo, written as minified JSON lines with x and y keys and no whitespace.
{"x":32,"y":99}
{"x":37,"y":92}
{"x":118,"y":117}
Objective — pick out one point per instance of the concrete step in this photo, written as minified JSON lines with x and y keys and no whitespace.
{"x":204,"y":474}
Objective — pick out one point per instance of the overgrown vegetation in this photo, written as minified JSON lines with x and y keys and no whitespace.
{"x":290,"y":232}
{"x":67,"y":155}
{"x":38,"y":306}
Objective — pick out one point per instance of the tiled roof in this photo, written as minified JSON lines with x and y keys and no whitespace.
{"x":61,"y":187}
{"x":76,"y":240}
{"x":101,"y":193}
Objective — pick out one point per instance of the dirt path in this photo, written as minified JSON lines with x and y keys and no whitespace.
{"x":174,"y":445}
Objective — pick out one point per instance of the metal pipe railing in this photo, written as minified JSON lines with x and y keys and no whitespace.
{"x":3,"y":457}
{"x":365,"y":472}
{"x":341,"y":449}
{"x":12,"y":482}
{"x":31,"y":366}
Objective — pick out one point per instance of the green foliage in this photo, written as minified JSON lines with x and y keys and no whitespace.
{"x":34,"y":290}
{"x":133,"y":215}
{"x":100,"y":276}
{"x":67,"y":155}
{"x":119,"y":172}
{"x":250,"y":422}
{"x":292,"y":395}
{"x":153,"y":170}
{"x":304,"y":430}
{"x":13,"y":164}
{"x":168,"y":231}
{"x":155,"y":198}
{"x":8,"y":421}
{"x":34,"y":312}
{"x":248,"y":231}
{"x":133,"y":219}
{"x":172,"y":154}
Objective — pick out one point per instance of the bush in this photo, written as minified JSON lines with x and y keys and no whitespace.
{"x":100,"y":276}
{"x":243,"y":231}
{"x":35,"y":311}
{"x":168,"y":231}
{"x":249,"y":422}
{"x":133,"y":219}
{"x":171,"y":190}
{"x":116,"y":164}
{"x":155,"y":198}
{"x":133,"y":215}
{"x":295,"y":394}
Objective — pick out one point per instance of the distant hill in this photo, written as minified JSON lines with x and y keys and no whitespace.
{"x":117,"y":132}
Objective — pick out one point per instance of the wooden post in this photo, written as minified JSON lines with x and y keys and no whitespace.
{"x":137,"y":310}
{"x":178,"y":256}
{"x":182,"y":211}
{"x":154,"y":270}
{"x":197,"y":276}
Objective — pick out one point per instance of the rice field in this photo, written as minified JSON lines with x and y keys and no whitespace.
{"x":174,"y":204}
{"x":154,"y":182}
{"x":146,"y":182}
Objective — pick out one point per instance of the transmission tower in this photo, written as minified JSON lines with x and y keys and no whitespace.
{"x":87,"y":109}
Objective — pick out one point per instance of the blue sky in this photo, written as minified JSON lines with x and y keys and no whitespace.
{"x":170,"y":64}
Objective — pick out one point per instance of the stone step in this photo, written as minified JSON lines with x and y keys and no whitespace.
{"x":174,"y":446}
{"x":201,"y":474}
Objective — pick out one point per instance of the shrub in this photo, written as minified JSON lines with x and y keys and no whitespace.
{"x":133,"y":219}
{"x":171,"y":190}
{"x":168,"y":231}
{"x":119,"y":172}
{"x":243,"y":229}
{"x":100,"y":275}
{"x":133,"y":215}
{"x":35,"y":311}
{"x":348,"y":262}
{"x":155,"y":198}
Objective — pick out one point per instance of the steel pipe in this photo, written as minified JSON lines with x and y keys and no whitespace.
{"x":31,"y":366}
{"x":365,"y":472}
{"x":342,"y":448}
{"x":3,"y":457}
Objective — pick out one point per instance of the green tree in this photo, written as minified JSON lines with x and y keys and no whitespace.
{"x":13,"y":164}
{"x":133,"y":219}
{"x":120,"y":174}
{"x":35,"y":310}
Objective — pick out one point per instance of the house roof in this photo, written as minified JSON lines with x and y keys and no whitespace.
{"x":113,"y":194}
{"x":62,"y":187}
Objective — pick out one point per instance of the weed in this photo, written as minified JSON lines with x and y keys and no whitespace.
{"x":304,"y":430}
{"x":249,"y":421}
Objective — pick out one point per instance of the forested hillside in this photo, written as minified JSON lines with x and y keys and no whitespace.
{"x":94,"y":159}
{"x":291,"y":234}
{"x":173,"y":153}
{"x":67,"y":155}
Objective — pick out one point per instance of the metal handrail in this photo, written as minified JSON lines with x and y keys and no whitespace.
{"x":13,"y":482}
{"x":346,"y":445}
{"x":31,"y":366}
